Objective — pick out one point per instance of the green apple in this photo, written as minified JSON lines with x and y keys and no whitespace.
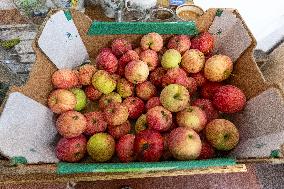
{"x":103,"y":82}
{"x":171,"y":59}
{"x":81,"y":99}
{"x":101,"y":147}
{"x":174,"y":97}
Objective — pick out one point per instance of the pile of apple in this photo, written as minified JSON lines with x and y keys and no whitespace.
{"x":155,"y":102}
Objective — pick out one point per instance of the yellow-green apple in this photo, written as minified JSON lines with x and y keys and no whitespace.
{"x":124,"y":148}
{"x":152,"y":41}
{"x":218,"y":68}
{"x":184,"y":143}
{"x":95,"y":123}
{"x":61,"y":100}
{"x":136,"y":71}
{"x":103,"y":82}
{"x":101,"y":147}
{"x":159,"y":118}
{"x":86,"y":73}
{"x":141,"y":124}
{"x":81,"y":99}
{"x":71,"y":124}
{"x":174,"y":97}
{"x":146,"y":90}
{"x":193,"y":61}
{"x":171,"y":59}
{"x":148,"y":146}
{"x":107,"y":99}
{"x":65,"y":79}
{"x":116,"y":114}
{"x":71,"y":149}
{"x":222,"y":134}
{"x":180,"y":43}
{"x":125,"y":88}
{"x":192,"y":117}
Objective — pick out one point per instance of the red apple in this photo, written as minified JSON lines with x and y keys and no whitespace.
{"x":65,"y":79}
{"x":146,"y":90}
{"x":61,"y":100}
{"x":184,"y":143}
{"x":116,"y":114}
{"x":193,"y":61}
{"x":125,"y":59}
{"x":152,"y":41}
{"x":180,"y":43}
{"x":207,"y":151}
{"x":71,"y":149}
{"x":124,"y":148}
{"x":158,"y":118}
{"x":157,"y":75}
{"x":118,"y":131}
{"x":86,"y":73}
{"x":107,"y":61}
{"x":71,"y":124}
{"x":148,"y":146}
{"x":150,"y":57}
{"x":203,"y":42}
{"x":166,"y":153}
{"x":153,"y":102}
{"x":209,"y":89}
{"x":92,"y":93}
{"x":95,"y":123}
{"x":199,"y":78}
{"x":136,"y":71}
{"x":207,"y":106}
{"x":135,"y":106}
{"x":173,"y":76}
{"x":108,"y":99}
{"x":192,"y":117}
{"x":120,"y":46}
{"x":229,"y":99}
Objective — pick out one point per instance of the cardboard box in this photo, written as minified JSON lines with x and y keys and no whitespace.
{"x":259,"y":141}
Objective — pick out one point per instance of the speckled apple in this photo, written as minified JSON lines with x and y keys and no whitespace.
{"x":136,"y":71}
{"x":61,"y":100}
{"x":103,"y":82}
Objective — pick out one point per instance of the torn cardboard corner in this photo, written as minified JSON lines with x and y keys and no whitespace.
{"x":27,"y":130}
{"x":61,"y":42}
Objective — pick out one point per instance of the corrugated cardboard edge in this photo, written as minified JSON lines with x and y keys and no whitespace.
{"x":248,"y":76}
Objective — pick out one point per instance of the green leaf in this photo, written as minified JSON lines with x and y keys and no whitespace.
{"x":8,"y":44}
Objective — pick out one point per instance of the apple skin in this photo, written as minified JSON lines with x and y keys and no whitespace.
{"x":184,"y":144}
{"x":124,"y":148}
{"x":209,"y":89}
{"x":157,"y":75}
{"x":203,"y":42}
{"x":65,"y":79}
{"x":135,"y":107}
{"x":199,"y":78}
{"x":192,"y":117}
{"x":151,"y":58}
{"x":171,"y":59}
{"x":71,"y":149}
{"x":118,"y":131}
{"x":222,"y":134}
{"x":148,"y":146}
{"x":174,"y":76}
{"x":141,"y":124}
{"x":136,"y":71}
{"x":207,"y":151}
{"x":61,"y":100}
{"x":125,"y":88}
{"x":174,"y":97}
{"x":103,"y":82}
{"x":81,"y":99}
{"x":218,"y":68}
{"x":180,"y":43}
{"x":71,"y":124}
{"x":101,"y":147}
{"x":152,"y":41}
{"x":229,"y":99}
{"x":193,"y":61}
{"x":95,"y":123}
{"x":120,"y":46}
{"x":116,"y":114}
{"x":107,"y":99}
{"x":107,"y":61}
{"x":86,"y":73}
{"x":146,"y":90}
{"x":153,"y":102}
{"x":92,"y":93}
{"x":159,"y":118}
{"x":166,"y":153}
{"x":207,"y":106}
{"x":124,"y":60}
